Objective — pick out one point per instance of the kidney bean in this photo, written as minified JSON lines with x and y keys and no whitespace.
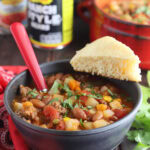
{"x":50,"y":80}
{"x":79,"y":113}
{"x":98,"y":115}
{"x":60,"y":126}
{"x":37,"y":103}
{"x":59,"y":75}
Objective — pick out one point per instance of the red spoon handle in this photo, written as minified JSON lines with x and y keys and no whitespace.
{"x":20,"y":35}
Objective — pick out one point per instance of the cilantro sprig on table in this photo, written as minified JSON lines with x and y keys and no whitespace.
{"x":141,"y":125}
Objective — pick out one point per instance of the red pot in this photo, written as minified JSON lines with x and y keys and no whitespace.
{"x":136,"y":36}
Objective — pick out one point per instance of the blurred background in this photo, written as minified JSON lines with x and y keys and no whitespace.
{"x":10,"y":55}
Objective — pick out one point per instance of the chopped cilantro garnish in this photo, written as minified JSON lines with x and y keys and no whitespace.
{"x":66,"y":113}
{"x":83,"y":94}
{"x":84,"y":108}
{"x":141,"y":9}
{"x":89,"y":107}
{"x":33,"y":94}
{"x":53,"y":100}
{"x":96,"y":95}
{"x":55,"y":87}
{"x":113,"y":95}
{"x":81,"y":122}
{"x":67,"y":104}
{"x":77,"y":97}
{"x":34,"y":90}
{"x":76,"y":105}
{"x":68,"y":91}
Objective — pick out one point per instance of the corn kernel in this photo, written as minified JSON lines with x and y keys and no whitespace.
{"x":100,"y":123}
{"x":131,"y":6}
{"x":66,"y":118}
{"x":27,"y":104}
{"x":114,"y":7}
{"x":107,"y":98}
{"x":118,"y":99}
{"x":72,"y":125}
{"x":115,"y":105}
{"x":101,"y":107}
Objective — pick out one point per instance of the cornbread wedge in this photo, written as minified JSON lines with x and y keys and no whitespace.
{"x":108,"y":57}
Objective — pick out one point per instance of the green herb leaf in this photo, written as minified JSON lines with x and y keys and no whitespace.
{"x":141,"y":146}
{"x":141,"y":9}
{"x":113,"y":95}
{"x":81,"y":122}
{"x":55,"y":87}
{"x":139,"y":136}
{"x":66,"y":113}
{"x":53,"y":100}
{"x":77,"y":97}
{"x":96,"y":95}
{"x":67,"y":104}
{"x":148,"y":78}
{"x":141,"y":125}
{"x":68,"y":91}
{"x":33,"y":94}
{"x":89,"y":107}
{"x":147,"y":11}
{"x":76,"y":105}
{"x":84,"y":108}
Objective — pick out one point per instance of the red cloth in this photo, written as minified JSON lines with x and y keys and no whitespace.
{"x":7,"y":127}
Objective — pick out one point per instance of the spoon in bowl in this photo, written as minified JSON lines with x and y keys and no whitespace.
{"x":22,"y":40}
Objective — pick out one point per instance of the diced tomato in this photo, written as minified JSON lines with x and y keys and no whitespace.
{"x":51,"y":112}
{"x":120,"y":113}
{"x":84,"y":98}
{"x":60,"y":126}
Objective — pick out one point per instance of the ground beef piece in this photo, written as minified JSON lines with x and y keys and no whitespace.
{"x":30,"y":113}
{"x":59,"y":108}
{"x":24,"y":90}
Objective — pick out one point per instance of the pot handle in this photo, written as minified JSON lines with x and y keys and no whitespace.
{"x":84,"y":6}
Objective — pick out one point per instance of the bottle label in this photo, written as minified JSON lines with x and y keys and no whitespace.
{"x":12,"y":11}
{"x":50,"y":22}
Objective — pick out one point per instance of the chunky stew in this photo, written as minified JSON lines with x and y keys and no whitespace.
{"x":73,"y":102}
{"x":137,"y":11}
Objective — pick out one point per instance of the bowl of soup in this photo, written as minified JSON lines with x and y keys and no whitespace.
{"x":79,"y":110}
{"x":126,"y":20}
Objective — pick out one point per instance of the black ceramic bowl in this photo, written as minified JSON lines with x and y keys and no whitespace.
{"x":105,"y":138}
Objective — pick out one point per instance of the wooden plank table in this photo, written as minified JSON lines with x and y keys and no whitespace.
{"x":9,"y":55}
